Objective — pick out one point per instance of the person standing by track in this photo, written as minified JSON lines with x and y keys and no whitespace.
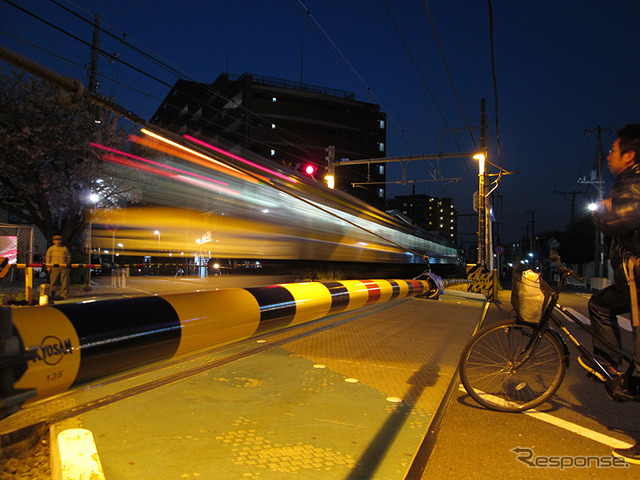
{"x":58,"y":255}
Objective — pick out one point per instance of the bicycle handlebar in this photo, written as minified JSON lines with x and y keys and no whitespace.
{"x":563,"y":269}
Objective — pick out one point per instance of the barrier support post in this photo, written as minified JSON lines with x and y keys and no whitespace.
{"x":28,"y":285}
{"x":494,"y":283}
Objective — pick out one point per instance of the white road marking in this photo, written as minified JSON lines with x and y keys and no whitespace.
{"x":574,"y":428}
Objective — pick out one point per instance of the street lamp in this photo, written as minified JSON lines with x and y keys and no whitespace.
{"x":95,"y":199}
{"x":157,"y":232}
{"x":481,"y":158}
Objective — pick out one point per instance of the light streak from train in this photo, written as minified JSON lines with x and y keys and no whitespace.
{"x":257,"y":220}
{"x":182,"y":175}
{"x":244,"y":160}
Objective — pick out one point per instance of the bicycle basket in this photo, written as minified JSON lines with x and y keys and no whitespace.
{"x":530,"y":295}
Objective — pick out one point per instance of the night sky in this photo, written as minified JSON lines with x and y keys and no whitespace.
{"x":562,"y":69}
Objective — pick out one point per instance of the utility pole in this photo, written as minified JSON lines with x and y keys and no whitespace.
{"x":330,"y":176}
{"x":599,"y":254}
{"x":93,"y":77}
{"x":573,"y":194}
{"x":598,"y":270}
{"x":533,"y":235}
{"x":483,"y":231}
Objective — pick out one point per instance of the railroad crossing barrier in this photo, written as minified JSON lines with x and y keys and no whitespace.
{"x":72,"y":343}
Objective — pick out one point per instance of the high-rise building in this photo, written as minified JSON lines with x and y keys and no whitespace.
{"x":290,"y":123}
{"x":429,"y":213}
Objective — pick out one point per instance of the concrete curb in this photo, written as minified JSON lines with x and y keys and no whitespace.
{"x":74,"y":455}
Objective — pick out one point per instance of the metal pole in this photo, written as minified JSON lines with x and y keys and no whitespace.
{"x":482,"y":211}
{"x":93,"y":78}
{"x":599,"y":260}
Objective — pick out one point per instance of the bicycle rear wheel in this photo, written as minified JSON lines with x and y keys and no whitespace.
{"x":493,"y":375}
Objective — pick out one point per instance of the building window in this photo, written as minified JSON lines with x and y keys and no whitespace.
{"x":381,"y":146}
{"x":381,"y":169}
{"x":381,"y":123}
{"x":273,"y":152}
{"x":274,"y":99}
{"x":381,"y":192}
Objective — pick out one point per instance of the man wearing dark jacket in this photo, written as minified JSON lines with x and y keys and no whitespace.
{"x":618,"y":217}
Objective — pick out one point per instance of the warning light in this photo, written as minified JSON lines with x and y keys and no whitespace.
{"x":331,"y":181}
{"x":310,"y":169}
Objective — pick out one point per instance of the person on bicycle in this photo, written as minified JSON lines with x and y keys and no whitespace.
{"x":618,"y":217}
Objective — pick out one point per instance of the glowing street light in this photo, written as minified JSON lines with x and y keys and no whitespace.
{"x":481,"y":158}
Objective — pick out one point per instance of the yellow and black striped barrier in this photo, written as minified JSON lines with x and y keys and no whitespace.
{"x":73,"y":343}
{"x":482,"y":281}
{"x":55,"y":265}
{"x":4,"y":266}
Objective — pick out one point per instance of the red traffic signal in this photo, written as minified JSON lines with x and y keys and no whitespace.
{"x":309,"y":169}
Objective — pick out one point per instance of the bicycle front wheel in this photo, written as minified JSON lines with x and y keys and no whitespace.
{"x":496,"y":372}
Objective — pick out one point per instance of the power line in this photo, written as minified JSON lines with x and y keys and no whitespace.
{"x":105,"y":54}
{"x":495,"y":91}
{"x":350,"y":69}
{"x":444,"y":59}
{"x":424,"y":82}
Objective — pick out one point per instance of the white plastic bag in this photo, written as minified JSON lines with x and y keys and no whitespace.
{"x":529,"y":295}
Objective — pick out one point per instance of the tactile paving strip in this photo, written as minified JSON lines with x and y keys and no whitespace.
{"x":277,"y":413}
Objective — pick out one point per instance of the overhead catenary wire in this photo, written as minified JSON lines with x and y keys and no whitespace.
{"x":446,"y":66}
{"x":413,"y":61}
{"x":424,"y":82}
{"x":349,"y":68}
{"x":139,"y":70}
{"x":75,"y":64}
{"x":495,"y":96}
{"x":306,"y":153}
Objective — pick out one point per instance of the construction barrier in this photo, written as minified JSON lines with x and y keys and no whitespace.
{"x":75,"y":342}
{"x":482,"y":281}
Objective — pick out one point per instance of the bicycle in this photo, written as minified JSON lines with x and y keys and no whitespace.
{"x":515,"y":365}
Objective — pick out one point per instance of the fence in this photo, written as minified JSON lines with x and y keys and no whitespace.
{"x":16,"y":244}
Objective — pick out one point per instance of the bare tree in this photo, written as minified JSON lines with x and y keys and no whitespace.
{"x":48,"y":168}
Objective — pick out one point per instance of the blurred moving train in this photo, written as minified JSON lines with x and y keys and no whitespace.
{"x":203,"y":206}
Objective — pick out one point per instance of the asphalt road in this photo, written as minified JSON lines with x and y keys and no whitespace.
{"x":474,"y":442}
